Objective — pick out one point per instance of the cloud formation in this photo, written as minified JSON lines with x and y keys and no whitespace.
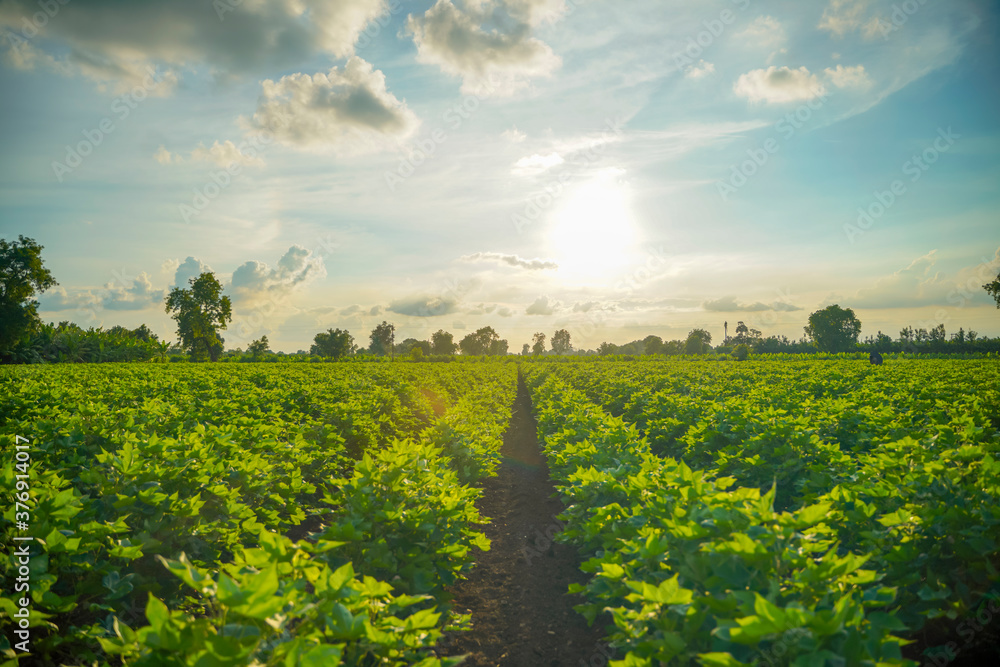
{"x":113,"y":41}
{"x":848,"y":77}
{"x":254,"y":280}
{"x":541,"y":306}
{"x":189,"y":268}
{"x":511,"y":260}
{"x":488,"y":43}
{"x":423,"y":305}
{"x":729,"y":304}
{"x":346,"y":110}
{"x":779,"y":85}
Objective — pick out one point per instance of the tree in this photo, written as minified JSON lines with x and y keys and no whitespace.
{"x":443,"y":342}
{"x":834,"y":329}
{"x":697,"y":341}
{"x":745,"y":335}
{"x":561,"y":342}
{"x":482,"y":342}
{"x":258,"y":347}
{"x":652,"y":345}
{"x":607,"y":348}
{"x":741,"y":352}
{"x":993,"y":289}
{"x":538,"y":344}
{"x":334,"y":343}
{"x":200,"y":312}
{"x":526,"y":350}
{"x":22,"y":276}
{"x":382,"y":338}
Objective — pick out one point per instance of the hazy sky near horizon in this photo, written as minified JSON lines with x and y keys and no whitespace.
{"x":615,"y":169}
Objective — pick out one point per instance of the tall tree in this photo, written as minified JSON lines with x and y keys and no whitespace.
{"x":652,"y":345}
{"x":382,"y":338}
{"x":697,"y":341}
{"x":334,"y":343}
{"x":745,"y":335}
{"x":483,"y":341}
{"x":22,"y":276}
{"x":526,"y":350}
{"x":834,"y":329}
{"x":443,"y":342}
{"x":561,"y":342}
{"x":201,"y":312}
{"x":258,"y":347}
{"x":538,"y":344}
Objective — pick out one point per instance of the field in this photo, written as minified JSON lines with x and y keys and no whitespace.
{"x":772,"y":512}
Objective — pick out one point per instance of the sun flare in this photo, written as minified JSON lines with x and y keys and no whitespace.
{"x":593,"y":233}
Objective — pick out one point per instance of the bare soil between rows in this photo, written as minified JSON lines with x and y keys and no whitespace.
{"x":517,"y":594}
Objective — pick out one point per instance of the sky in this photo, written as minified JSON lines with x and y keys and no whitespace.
{"x":614,"y":169}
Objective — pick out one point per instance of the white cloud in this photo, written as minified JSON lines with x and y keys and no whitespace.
{"x":138,"y":295}
{"x":514,"y":135}
{"x":536,"y":164}
{"x":919,"y":284}
{"x":541,"y":306}
{"x":114,"y":42}
{"x":849,"y":77}
{"x":189,"y":268}
{"x":699,"y":71}
{"x":495,"y":61}
{"x":511,"y":260}
{"x":779,"y":85}
{"x":254,"y":280}
{"x":765,"y":32}
{"x":843,"y":16}
{"x":225,"y":154}
{"x":163,"y":156}
{"x":347,"y":110}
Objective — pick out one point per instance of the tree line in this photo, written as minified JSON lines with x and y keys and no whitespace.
{"x":202,"y":312}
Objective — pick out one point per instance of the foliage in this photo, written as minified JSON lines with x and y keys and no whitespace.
{"x":561,"y":342}
{"x":258,"y":347}
{"x":993,"y":289}
{"x":443,"y":343}
{"x":248,"y":514}
{"x":538,"y":344}
{"x":484,"y":341}
{"x":200,"y":311}
{"x":741,"y":352}
{"x":834,"y":329}
{"x":382,"y":338}
{"x":22,"y":276}
{"x":335,"y":343}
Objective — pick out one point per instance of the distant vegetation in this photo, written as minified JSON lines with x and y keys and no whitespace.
{"x":202,"y":313}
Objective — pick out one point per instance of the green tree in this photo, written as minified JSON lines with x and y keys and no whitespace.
{"x":741,"y":352}
{"x":443,"y":342}
{"x":652,"y":345}
{"x":258,"y":347}
{"x":382,"y":339}
{"x":561,"y":342}
{"x":745,"y":335}
{"x":22,"y":276}
{"x":834,"y":329}
{"x":201,"y":312}
{"x":538,"y":344}
{"x":484,"y":341}
{"x":526,"y":350}
{"x":334,"y":343}
{"x":697,"y":341}
{"x":993,"y":289}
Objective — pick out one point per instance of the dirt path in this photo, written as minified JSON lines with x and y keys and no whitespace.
{"x":521,"y":612}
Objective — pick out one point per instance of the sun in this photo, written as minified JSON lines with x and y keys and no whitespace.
{"x":593,"y":234}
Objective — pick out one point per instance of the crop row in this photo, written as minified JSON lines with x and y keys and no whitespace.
{"x":211,"y":516}
{"x":892,"y":468}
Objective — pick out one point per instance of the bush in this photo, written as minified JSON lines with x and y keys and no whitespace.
{"x":741,"y":352}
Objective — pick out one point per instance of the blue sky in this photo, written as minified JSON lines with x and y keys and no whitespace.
{"x":615,"y":169}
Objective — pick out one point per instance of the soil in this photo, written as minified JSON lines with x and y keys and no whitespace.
{"x":522,"y":614}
